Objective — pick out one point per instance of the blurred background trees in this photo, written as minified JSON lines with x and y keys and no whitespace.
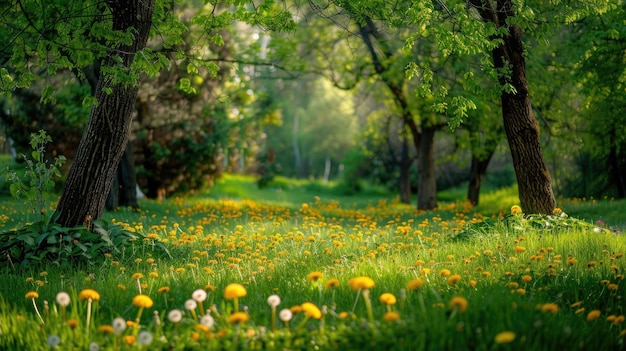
{"x":328,"y":101}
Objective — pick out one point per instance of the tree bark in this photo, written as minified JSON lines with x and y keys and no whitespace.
{"x":108,"y":130}
{"x":124,"y":188}
{"x":520,"y":125}
{"x":478,"y":169}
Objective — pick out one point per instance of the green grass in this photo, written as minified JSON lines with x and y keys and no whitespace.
{"x":536,"y":277}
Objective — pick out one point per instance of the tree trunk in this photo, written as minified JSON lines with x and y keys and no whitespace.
{"x":478,"y":169}
{"x":108,"y":130}
{"x":124,"y":188}
{"x":426,"y":179}
{"x":405,"y":172}
{"x":520,"y":125}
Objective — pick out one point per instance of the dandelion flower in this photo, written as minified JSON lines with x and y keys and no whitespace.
{"x":444,"y":272}
{"x":505,"y":337}
{"x":415,"y":284}
{"x":89,"y":294}
{"x":93,"y":346}
{"x":459,"y":303}
{"x":285,"y":315}
{"x":311,"y":310}
{"x":207,"y":320}
{"x":391,"y":316}
{"x":129,"y":339}
{"x":199,"y":295}
{"x":32,"y":295}
{"x":144,"y":338}
{"x":234,"y":291}
{"x":549,"y":308}
{"x":388,"y":299}
{"x":358,"y":283}
{"x":273,"y":301}
{"x":163,"y":289}
{"x":515,"y":209}
{"x":136,"y":276}
{"x":593,"y":315}
{"x":53,"y":340}
{"x":119,"y":325}
{"x":238,"y":317}
{"x":175,"y":316}
{"x":332,"y":283}
{"x":314,"y":276}
{"x":453,"y":279}
{"x":191,"y":304}
{"x":106,"y":329}
{"x":143,"y":301}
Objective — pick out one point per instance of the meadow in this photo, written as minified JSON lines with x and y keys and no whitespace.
{"x":297,"y":267}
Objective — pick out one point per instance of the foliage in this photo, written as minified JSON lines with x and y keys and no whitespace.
{"x":47,"y":243}
{"x":38,"y":179}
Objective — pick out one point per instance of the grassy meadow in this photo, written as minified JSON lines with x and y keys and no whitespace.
{"x":297,"y":267}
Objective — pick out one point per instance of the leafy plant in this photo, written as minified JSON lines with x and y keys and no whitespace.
{"x":38,"y":178}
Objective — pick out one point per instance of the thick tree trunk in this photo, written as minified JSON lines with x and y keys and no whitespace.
{"x":426,"y":179}
{"x":108,"y":130}
{"x":520,"y":125}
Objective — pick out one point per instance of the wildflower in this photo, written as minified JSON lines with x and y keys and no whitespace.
{"x":505,"y":337}
{"x":593,"y":315}
{"x":199,"y":295}
{"x":93,"y":346}
{"x":520,"y":249}
{"x":472,"y":283}
{"x":314,"y":276}
{"x":444,"y":272}
{"x":53,"y":340}
{"x":273,"y":301}
{"x":144,"y":338}
{"x":521,"y":291}
{"x":391,"y":316}
{"x":143,"y":301}
{"x":618,"y":320}
{"x":175,"y":316}
{"x":549,"y":308}
{"x":106,"y":329}
{"x":32,"y":295}
{"x":358,"y":283}
{"x":311,"y":310}
{"x":332,"y":283}
{"x":207,"y":320}
{"x":154,"y":275}
{"x":129,"y":339}
{"x":191,"y":304}
{"x":415,"y":284}
{"x":137,"y":276}
{"x":119,"y":325}
{"x":458,"y":303}
{"x":453,"y":279}
{"x":72,"y":323}
{"x":580,"y":310}
{"x":612,"y":286}
{"x":527,"y":278}
{"x":234,"y":291}
{"x":285,"y":315}
{"x":163,"y":289}
{"x":388,"y":299}
{"x":89,"y":294}
{"x":515,"y":209}
{"x":238,"y":317}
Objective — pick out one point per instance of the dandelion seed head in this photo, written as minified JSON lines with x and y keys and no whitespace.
{"x":175,"y":316}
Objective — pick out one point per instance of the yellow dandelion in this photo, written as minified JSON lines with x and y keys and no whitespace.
{"x":505,"y":337}
{"x":391,"y":316}
{"x":515,"y":209}
{"x":388,"y":299}
{"x":32,"y":295}
{"x":311,"y":310}
{"x":106,"y":329}
{"x":459,"y":303}
{"x":238,"y":317}
{"x":332,"y":283}
{"x":314,"y":276}
{"x":549,"y":308}
{"x":137,"y":276}
{"x":527,"y":278}
{"x":89,"y":294}
{"x":415,"y":284}
{"x":453,"y":279}
{"x":593,"y":315}
{"x":234,"y":291}
{"x":444,"y":272}
{"x":143,"y":301}
{"x":361,"y":283}
{"x":163,"y":289}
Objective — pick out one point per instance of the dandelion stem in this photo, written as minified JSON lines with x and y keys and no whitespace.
{"x":368,"y":305}
{"x":358,"y":293}
{"x":88,"y":314}
{"x":37,"y":311}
